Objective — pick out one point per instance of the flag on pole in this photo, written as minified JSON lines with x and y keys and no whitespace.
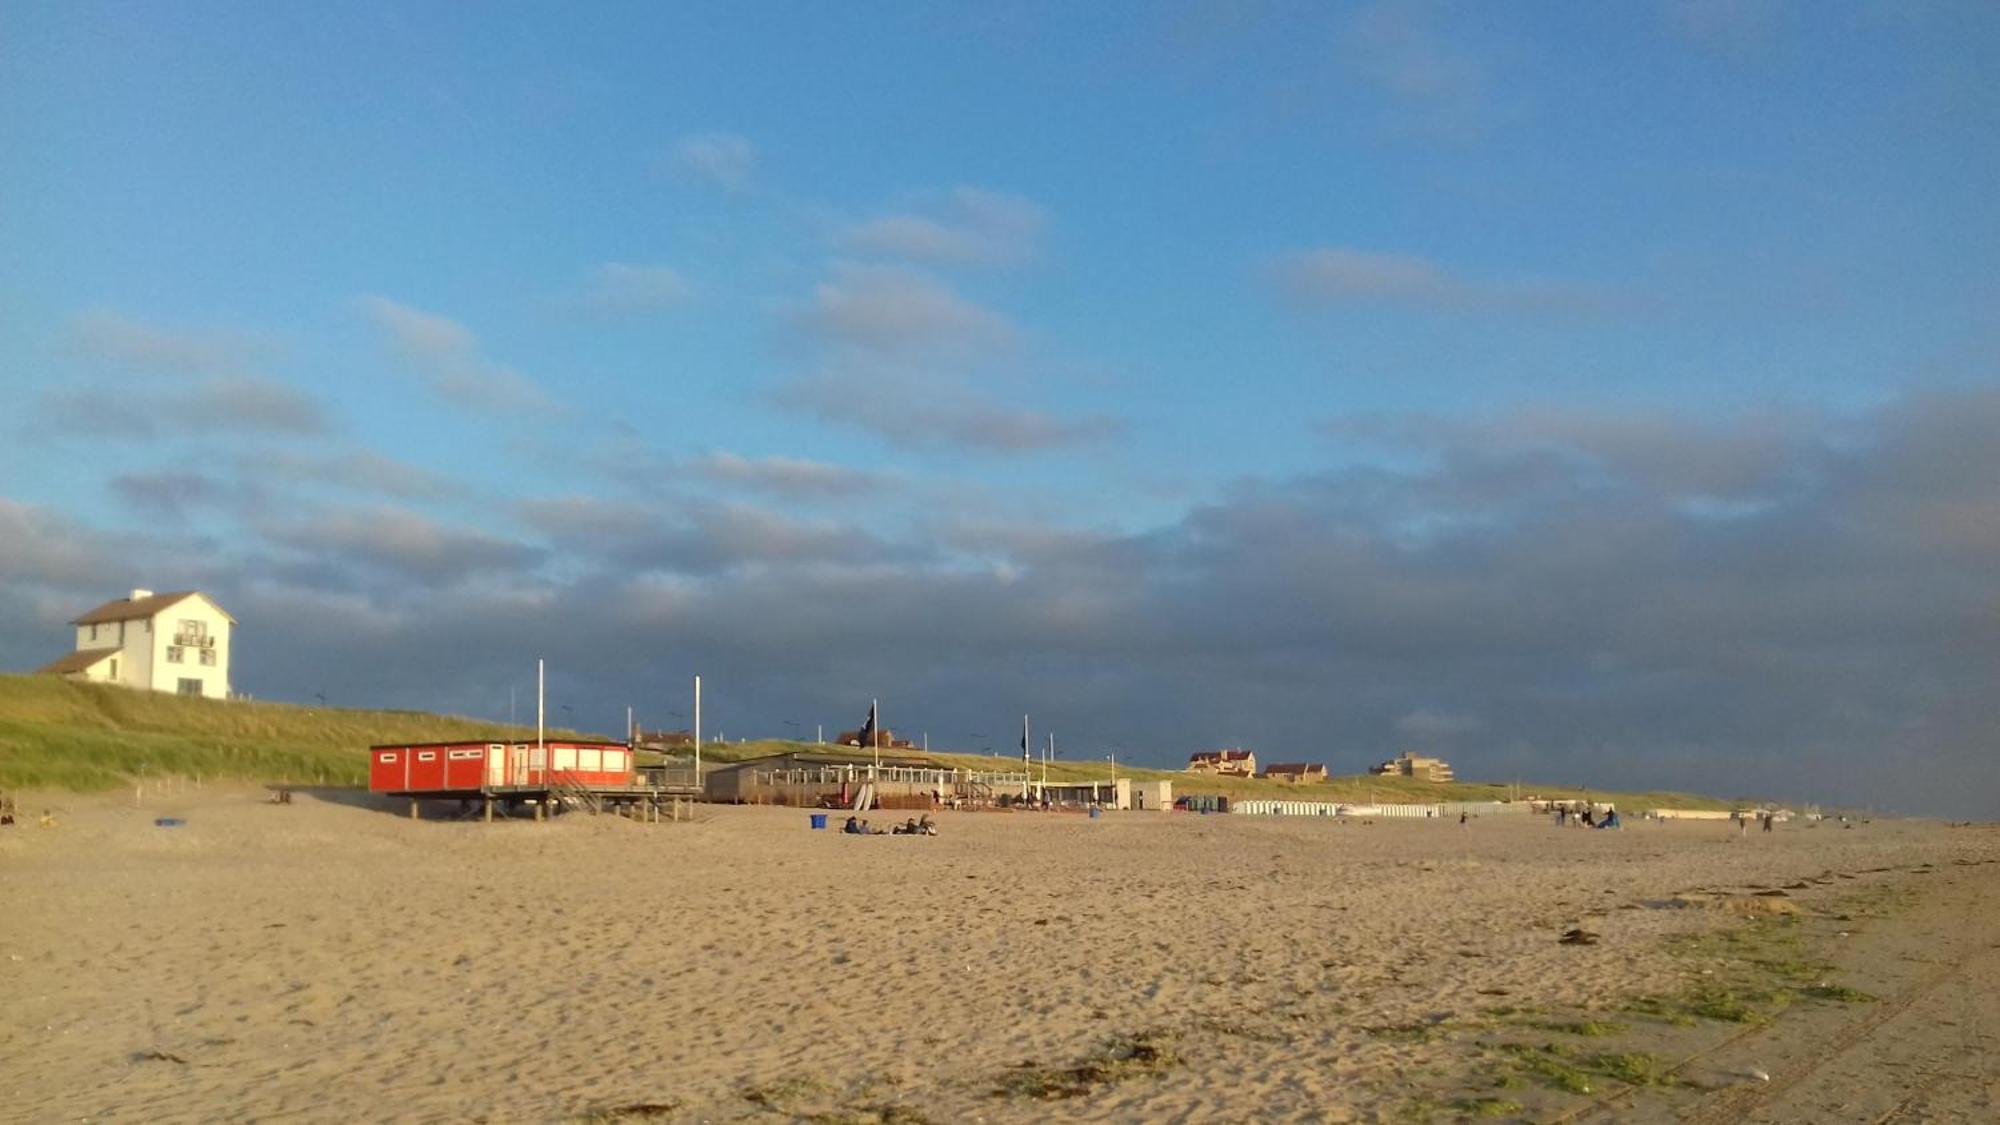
{"x":868,"y":728}
{"x":1027,"y":768}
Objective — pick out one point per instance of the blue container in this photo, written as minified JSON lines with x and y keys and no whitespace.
{"x":1094,"y":812}
{"x":819,"y":820}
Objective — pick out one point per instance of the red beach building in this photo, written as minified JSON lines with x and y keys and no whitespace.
{"x":468,"y":769}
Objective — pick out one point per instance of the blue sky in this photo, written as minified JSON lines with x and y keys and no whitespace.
{"x":1094,"y":359}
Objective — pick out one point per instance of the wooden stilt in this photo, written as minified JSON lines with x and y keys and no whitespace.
{"x":416,"y":810}
{"x":489,"y":810}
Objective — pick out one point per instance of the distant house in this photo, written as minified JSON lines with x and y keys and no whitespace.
{"x":1412,"y":764}
{"x":177,"y":642}
{"x":1297,"y":773}
{"x":1224,"y":763}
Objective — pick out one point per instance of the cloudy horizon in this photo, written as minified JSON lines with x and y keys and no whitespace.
{"x":1587,"y":396}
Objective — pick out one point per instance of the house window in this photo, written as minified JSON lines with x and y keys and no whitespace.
{"x":190,"y":687}
{"x":192,"y":633}
{"x":175,"y":654}
{"x":93,"y":632}
{"x":208,"y":657}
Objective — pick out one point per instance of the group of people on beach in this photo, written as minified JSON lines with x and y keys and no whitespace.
{"x":1587,"y":817}
{"x":856,"y":826}
{"x":1767,"y":819}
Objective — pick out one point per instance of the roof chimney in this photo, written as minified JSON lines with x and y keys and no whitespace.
{"x":139,"y":595}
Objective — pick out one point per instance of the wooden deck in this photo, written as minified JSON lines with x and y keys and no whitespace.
{"x":648,"y":802}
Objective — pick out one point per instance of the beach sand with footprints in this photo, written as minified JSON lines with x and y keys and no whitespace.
{"x":330,"y":960}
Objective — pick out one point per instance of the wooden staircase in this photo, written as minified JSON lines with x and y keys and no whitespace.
{"x":565,"y":789}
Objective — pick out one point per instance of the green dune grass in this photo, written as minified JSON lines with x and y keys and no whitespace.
{"x":57,"y":734}
{"x":1357,"y":788}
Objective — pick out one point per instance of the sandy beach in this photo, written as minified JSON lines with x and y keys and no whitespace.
{"x":332,"y":960}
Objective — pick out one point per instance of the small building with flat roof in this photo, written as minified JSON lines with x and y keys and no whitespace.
{"x":1413,"y":764}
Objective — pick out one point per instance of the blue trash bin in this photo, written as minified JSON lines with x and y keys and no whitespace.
{"x":819,"y":820}
{"x":1094,"y":812}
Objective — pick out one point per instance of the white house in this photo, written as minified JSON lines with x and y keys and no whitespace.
{"x":176,"y":642}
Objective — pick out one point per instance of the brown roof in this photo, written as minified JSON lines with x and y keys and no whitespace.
{"x":1219,"y":756}
{"x":75,"y":662}
{"x":1295,"y":767}
{"x":125,"y":609}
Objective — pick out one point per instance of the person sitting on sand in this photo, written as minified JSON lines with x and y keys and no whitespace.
{"x":925,"y":827}
{"x":1588,"y":820}
{"x":852,"y":827}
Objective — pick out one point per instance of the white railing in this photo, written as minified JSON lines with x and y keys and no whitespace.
{"x":1268,"y":807}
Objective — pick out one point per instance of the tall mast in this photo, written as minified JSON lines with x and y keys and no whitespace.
{"x":1027,"y":763}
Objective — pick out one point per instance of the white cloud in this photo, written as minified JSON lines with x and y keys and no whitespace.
{"x":404,"y":542}
{"x":784,"y":476}
{"x":725,"y":160}
{"x":1714,"y":463}
{"x":1343,"y":275}
{"x":1434,"y":83}
{"x":905,"y":358}
{"x":939,"y":413}
{"x":358,"y":470}
{"x":970,"y":226}
{"x":445,"y":355}
{"x":619,"y":287}
{"x":115,"y":338}
{"x":892,"y":309}
{"x":233,"y":403}
{"x":38,"y":544}
{"x":248,"y":402}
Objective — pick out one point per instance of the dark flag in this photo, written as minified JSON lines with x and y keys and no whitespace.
{"x":868,"y":728}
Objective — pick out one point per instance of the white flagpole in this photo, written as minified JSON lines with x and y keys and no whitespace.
{"x":697,"y":731}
